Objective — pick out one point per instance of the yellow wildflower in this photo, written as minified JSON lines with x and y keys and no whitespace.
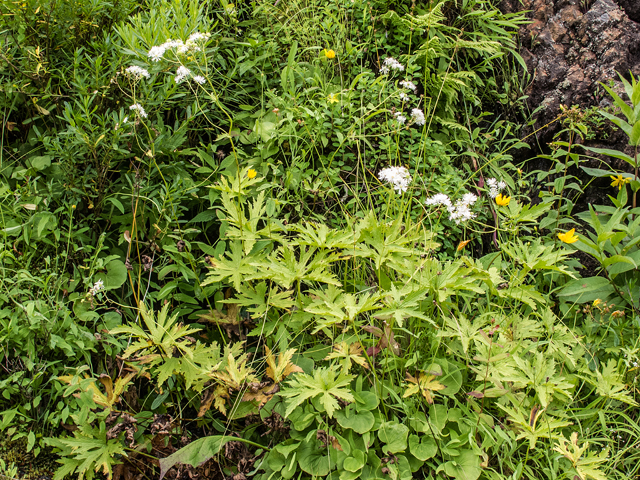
{"x":330,"y":54}
{"x":252,"y":173}
{"x":502,"y":200}
{"x":619,"y":181}
{"x":597,"y":302}
{"x":569,"y":237}
{"x":333,"y":98}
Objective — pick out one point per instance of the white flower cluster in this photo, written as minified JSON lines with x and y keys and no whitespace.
{"x":137,"y":72}
{"x":404,"y":97}
{"x":417,"y":116}
{"x":389,"y":64}
{"x":182,"y":73}
{"x":408,"y":85}
{"x":401,"y":119}
{"x":97,"y":287}
{"x":461,"y":211}
{"x":439,"y":199}
{"x":136,"y":107}
{"x":495,"y":187}
{"x":191,"y":45}
{"x":398,"y":176}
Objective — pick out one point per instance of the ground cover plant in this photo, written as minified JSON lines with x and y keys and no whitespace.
{"x":289,"y":240}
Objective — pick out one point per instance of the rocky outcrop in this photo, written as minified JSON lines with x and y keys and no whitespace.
{"x":573,"y":45}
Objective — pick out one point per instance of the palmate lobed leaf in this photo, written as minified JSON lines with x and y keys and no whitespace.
{"x":323,"y":383}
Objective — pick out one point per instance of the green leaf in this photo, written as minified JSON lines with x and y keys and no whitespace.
{"x":355,"y":462}
{"x":583,"y":290}
{"x":41,"y":162}
{"x":394,"y":436}
{"x":359,"y":422}
{"x":324,"y":384}
{"x":610,"y":153}
{"x":115,"y":276}
{"x":634,"y":138}
{"x":197,"y":452}
{"x":316,"y":461}
{"x":422,"y":448}
{"x":466,"y":466}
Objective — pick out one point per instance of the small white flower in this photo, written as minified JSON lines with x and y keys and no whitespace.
{"x":404,"y":97}
{"x":98,"y":286}
{"x":172,"y":44}
{"x":156,"y":53}
{"x":460,"y":212}
{"x":417,"y":116}
{"x":199,"y":79}
{"x":469,"y":198}
{"x":439,"y":199}
{"x":399,"y":177}
{"x":401,"y":119}
{"x":182,"y":73}
{"x":137,"y":72}
{"x":197,"y":37}
{"x":409,"y":85}
{"x":389,"y":64}
{"x":136,"y":107}
{"x":495,"y":187}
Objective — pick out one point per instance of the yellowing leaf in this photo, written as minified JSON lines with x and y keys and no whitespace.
{"x":424,"y":384}
{"x":279,"y":370}
{"x":349,"y":353}
{"x":585,"y":467}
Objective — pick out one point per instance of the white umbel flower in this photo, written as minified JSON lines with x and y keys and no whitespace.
{"x":439,"y":199}
{"x":198,"y":37}
{"x":136,"y":107}
{"x":389,"y":64}
{"x":461,"y":211}
{"x":182,"y":73}
{"x":495,"y":187}
{"x":408,"y":85}
{"x":417,"y":116}
{"x":137,"y":72}
{"x":156,"y":53}
{"x":399,"y":177}
{"x":199,"y":79}
{"x":404,"y":97}
{"x":401,"y":119}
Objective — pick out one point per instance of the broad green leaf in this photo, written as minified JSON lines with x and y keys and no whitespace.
{"x":316,"y":461}
{"x":583,"y":290}
{"x":422,"y":447}
{"x":355,"y":462}
{"x":115,"y":276}
{"x":394,"y":436}
{"x":359,"y":422}
{"x":466,"y":466}
{"x":197,"y":452}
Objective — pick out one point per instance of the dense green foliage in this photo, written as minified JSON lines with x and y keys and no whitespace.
{"x":241,"y":229}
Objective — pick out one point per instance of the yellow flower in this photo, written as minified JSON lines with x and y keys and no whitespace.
{"x":333,"y":98}
{"x":597,"y":302}
{"x":569,"y":237}
{"x":502,"y":200}
{"x":330,"y":54}
{"x":252,"y":173}
{"x":619,"y":181}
